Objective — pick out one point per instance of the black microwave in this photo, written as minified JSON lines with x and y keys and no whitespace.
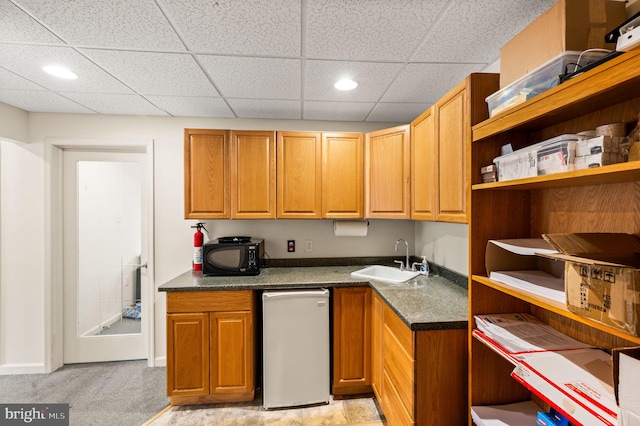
{"x":229,"y":256}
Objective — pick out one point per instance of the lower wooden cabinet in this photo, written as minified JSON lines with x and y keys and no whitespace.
{"x":419,"y":377}
{"x":211,"y":346}
{"x":351,"y":340}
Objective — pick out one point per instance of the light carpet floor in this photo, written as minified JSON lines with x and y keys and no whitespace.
{"x":125,"y":393}
{"x":359,"y":411}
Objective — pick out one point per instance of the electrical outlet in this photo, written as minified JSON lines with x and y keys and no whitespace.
{"x":308,"y":246}
{"x":291,"y":246}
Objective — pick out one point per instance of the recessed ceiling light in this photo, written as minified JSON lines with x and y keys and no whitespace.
{"x":61,"y":72}
{"x":346,"y":84}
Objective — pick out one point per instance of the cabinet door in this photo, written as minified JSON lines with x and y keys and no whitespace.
{"x":299,"y":165}
{"x":253,"y":175}
{"x":187,"y":354}
{"x":424,"y":167}
{"x":351,"y":340}
{"x":387,"y":176}
{"x":232,"y":358}
{"x":377,"y":319}
{"x":342,"y":175}
{"x":206,"y":174}
{"x":453,"y":127}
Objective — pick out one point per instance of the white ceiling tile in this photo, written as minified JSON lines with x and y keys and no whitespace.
{"x":372,"y":78}
{"x":339,"y":111}
{"x":262,"y":78}
{"x":397,"y":112}
{"x":252,"y":58}
{"x":115,"y":104}
{"x":196,"y":106}
{"x":136,"y":24}
{"x":29,"y":60}
{"x":474,"y":31}
{"x":17,"y":26}
{"x":9,"y":80}
{"x":248,"y":27}
{"x":377,"y":30}
{"x":39,"y":101}
{"x":155,"y":73}
{"x":272,"y":109}
{"x":427,"y":82}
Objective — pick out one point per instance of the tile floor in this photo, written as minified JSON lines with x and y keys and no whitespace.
{"x":357,"y":411}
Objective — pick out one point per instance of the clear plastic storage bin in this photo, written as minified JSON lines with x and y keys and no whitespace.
{"x":546,"y":157}
{"x":540,"y":80}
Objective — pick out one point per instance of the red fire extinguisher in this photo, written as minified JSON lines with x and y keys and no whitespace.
{"x":198,"y":240}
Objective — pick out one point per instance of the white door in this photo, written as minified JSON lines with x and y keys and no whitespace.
{"x":105,"y":252}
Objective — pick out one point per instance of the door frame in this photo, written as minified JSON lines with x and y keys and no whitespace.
{"x":54,"y":233}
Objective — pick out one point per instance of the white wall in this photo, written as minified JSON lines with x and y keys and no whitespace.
{"x":445,"y":244}
{"x":14,"y":123}
{"x":23,"y":291}
{"x":22,"y":310}
{"x":173,"y":235}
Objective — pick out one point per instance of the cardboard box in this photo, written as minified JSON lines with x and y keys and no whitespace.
{"x":567,"y":25}
{"x":598,"y":145}
{"x":626,"y":376}
{"x":602,"y":279}
{"x":597,"y":152}
{"x":596,"y":160}
{"x":577,"y":382}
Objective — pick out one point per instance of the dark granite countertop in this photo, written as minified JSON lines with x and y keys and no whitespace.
{"x":424,"y":303}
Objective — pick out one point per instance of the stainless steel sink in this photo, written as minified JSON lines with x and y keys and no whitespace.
{"x":384,"y":273}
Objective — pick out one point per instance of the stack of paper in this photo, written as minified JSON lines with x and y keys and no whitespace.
{"x":521,"y":263}
{"x":522,"y":333}
{"x":537,"y":282}
{"x":519,"y":413}
{"x":569,"y":375}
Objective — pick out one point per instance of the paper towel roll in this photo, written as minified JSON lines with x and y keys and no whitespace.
{"x":350,"y":228}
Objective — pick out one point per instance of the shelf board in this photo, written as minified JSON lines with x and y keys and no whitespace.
{"x":615,"y":81}
{"x":552,"y":306}
{"x":614,"y":173}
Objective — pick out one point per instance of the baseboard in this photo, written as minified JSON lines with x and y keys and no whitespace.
{"x":160,"y":361}
{"x":7,"y":369}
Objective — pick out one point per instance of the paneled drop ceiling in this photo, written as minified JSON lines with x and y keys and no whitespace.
{"x":273,"y":59}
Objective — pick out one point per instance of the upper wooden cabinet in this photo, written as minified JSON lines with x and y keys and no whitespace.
{"x":229,"y":174}
{"x":387,"y":173}
{"x":440,"y":147}
{"x":253,"y":174}
{"x":206,"y":174}
{"x":299,"y":171}
{"x":342,"y":175}
{"x":320,"y":175}
{"x":424,"y":167}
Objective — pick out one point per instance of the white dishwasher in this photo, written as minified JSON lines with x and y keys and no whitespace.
{"x":296,"y":358}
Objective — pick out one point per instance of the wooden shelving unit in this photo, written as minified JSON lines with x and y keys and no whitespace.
{"x":605,"y":199}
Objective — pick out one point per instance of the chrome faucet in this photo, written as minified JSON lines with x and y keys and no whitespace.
{"x":406,"y":264}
